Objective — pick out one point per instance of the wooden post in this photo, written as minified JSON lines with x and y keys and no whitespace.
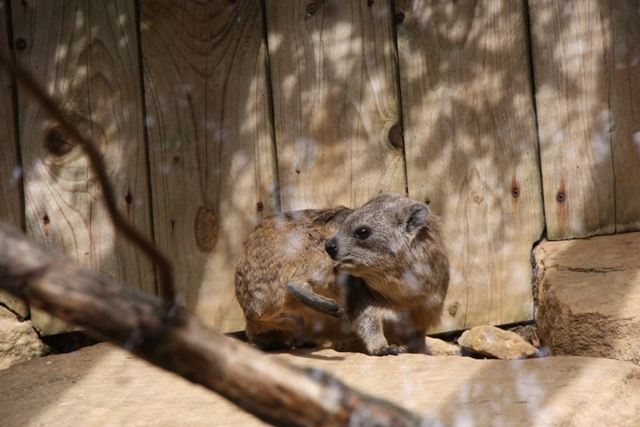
{"x":471,"y":149}
{"x":11,"y":203}
{"x":336,"y":106}
{"x":624,"y":100}
{"x":571,"y":48}
{"x":211,"y":146}
{"x":86,"y":55}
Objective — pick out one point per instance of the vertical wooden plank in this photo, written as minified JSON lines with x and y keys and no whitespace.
{"x":335,"y":95}
{"x":471,"y":149}
{"x":10,"y":170}
{"x":571,"y":57}
{"x":85,"y":55}
{"x":211,"y":142}
{"x":624,"y":102}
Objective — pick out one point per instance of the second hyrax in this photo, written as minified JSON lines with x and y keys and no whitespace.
{"x":395,"y":245}
{"x":286,"y":283}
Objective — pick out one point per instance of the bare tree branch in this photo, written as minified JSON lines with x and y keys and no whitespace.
{"x":271,"y":390}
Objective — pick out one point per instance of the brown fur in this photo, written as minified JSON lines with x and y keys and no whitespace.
{"x":286,"y":283}
{"x":395,"y":245}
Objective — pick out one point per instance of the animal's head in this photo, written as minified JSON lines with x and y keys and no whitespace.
{"x":372,"y":237}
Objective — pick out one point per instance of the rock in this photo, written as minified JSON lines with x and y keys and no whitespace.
{"x":588,"y":294}
{"x":18,"y":340}
{"x":495,"y":342}
{"x":103,"y":385}
{"x":15,"y":304}
{"x":438,"y":347}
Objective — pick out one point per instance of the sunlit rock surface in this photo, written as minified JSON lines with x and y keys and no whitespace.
{"x":105,"y":386}
{"x":494,"y":342}
{"x":438,"y":347}
{"x":18,"y":340}
{"x":589,"y":296}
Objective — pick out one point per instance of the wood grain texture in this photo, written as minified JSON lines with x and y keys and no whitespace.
{"x":211,"y":142}
{"x":571,"y":47}
{"x":624,"y":103}
{"x":335,"y":96}
{"x":85,"y":54}
{"x":11,"y":204}
{"x":471,"y":149}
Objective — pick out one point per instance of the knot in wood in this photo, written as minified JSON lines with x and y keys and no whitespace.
{"x":453,"y":310}
{"x":21,"y":44}
{"x":396,"y":136}
{"x":206,"y":229}
{"x":56,"y":143}
{"x":311,"y":9}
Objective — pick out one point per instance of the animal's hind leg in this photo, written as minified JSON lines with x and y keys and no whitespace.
{"x":277,"y":333}
{"x":299,"y":324}
{"x":304,"y":293}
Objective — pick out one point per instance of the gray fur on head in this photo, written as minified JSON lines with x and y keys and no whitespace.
{"x":395,"y":244}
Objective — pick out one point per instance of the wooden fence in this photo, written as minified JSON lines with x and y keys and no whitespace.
{"x":505,"y":115}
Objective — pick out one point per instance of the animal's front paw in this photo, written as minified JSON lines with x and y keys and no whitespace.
{"x":392,"y":349}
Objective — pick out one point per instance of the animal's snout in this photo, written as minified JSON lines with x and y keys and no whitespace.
{"x":331,"y":247}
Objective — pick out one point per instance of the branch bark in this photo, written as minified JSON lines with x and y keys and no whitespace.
{"x":269,"y":389}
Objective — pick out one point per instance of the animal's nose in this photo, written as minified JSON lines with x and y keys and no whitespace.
{"x":331,"y":247}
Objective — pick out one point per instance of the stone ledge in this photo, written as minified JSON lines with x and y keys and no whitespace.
{"x":18,"y":340}
{"x":588,"y":295}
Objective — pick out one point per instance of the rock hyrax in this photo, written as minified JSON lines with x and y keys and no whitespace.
{"x":395,"y":245}
{"x":286,"y":283}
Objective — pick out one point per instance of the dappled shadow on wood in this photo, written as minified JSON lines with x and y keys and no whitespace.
{"x":470,"y":142}
{"x":89,"y":66}
{"x":333,"y":70}
{"x":470,"y":132}
{"x":471,"y":149}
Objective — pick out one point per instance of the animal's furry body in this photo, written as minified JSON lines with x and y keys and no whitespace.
{"x":286,"y":283}
{"x":395,"y":245}
{"x":291,"y":291}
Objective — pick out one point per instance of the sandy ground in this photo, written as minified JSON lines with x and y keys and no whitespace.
{"x":106,"y":386}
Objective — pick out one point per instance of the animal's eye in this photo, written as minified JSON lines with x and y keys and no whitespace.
{"x":363,"y":232}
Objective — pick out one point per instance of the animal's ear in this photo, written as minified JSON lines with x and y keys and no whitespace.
{"x":418,"y":216}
